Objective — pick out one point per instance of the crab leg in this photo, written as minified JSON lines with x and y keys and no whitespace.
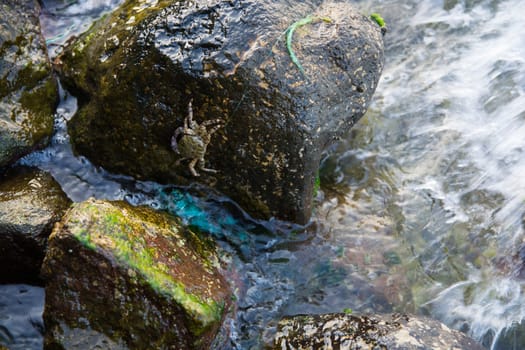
{"x":189,"y":118}
{"x":201,"y":167}
{"x":191,"y":166}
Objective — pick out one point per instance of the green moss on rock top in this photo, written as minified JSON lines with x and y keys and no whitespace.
{"x":126,"y":238}
{"x":144,"y":259}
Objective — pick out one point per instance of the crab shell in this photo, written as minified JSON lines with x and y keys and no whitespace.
{"x":189,"y":145}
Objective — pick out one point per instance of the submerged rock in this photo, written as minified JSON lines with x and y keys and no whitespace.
{"x":280,"y":98}
{"x":125,"y":277}
{"x":28,"y":90}
{"x":31,"y":202}
{"x":343,"y":331}
{"x":510,"y":337}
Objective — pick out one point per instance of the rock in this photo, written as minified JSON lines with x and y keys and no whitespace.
{"x":136,"y":71}
{"x":28,"y":90}
{"x":511,"y":337}
{"x":344,"y":331}
{"x":31,"y":202}
{"x":128,"y":277}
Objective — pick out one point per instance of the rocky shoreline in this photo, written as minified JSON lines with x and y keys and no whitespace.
{"x":124,"y":277}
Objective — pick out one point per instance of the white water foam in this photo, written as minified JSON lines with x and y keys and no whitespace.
{"x":468,"y":66}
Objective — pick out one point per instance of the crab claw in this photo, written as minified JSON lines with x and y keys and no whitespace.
{"x":177,"y":135}
{"x":174,"y":145}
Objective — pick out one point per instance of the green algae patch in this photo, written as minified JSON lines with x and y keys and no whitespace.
{"x":378,"y":19}
{"x":125,"y":239}
{"x":149,"y":261}
{"x":132,"y":249}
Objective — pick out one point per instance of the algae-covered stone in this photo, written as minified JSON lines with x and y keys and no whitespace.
{"x":130,"y":278}
{"x":28,"y":90}
{"x":281,"y":98}
{"x":344,"y":331}
{"x":31,"y":202}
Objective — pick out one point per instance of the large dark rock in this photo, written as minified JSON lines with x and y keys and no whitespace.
{"x":135,"y":72}
{"x":31,"y":202}
{"x":28,"y":90}
{"x":123,"y":277}
{"x":343,"y":331}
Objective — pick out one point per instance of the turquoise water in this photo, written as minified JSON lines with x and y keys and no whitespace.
{"x":421,"y":205}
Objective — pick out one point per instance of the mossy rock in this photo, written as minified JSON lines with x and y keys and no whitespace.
{"x":31,"y":202}
{"x":131,"y":277}
{"x":28,"y":89}
{"x":136,"y":70}
{"x":345,"y":331}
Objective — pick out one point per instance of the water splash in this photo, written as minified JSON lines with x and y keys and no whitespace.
{"x":450,"y":110}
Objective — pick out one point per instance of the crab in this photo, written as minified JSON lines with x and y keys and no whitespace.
{"x":192,"y":139}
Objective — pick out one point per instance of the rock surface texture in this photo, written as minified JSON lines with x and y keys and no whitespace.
{"x":123,"y":277}
{"x":28,"y":90}
{"x":348,"y":332}
{"x":136,"y":71}
{"x":31,"y":202}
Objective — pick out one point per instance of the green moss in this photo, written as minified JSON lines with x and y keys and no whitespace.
{"x":20,"y":41}
{"x":130,"y":9}
{"x":121,"y":16}
{"x":33,"y":88}
{"x":317,"y":184}
{"x":378,"y":19}
{"x":27,"y":78}
{"x":40,"y":102}
{"x":126,"y":242}
{"x":31,"y":75}
{"x":85,"y":238}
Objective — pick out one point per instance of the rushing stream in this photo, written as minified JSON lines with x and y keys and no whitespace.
{"x":421,"y":205}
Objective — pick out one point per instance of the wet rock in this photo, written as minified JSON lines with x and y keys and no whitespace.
{"x":125,"y":277}
{"x":343,"y":331}
{"x":31,"y":202}
{"x":511,"y":337}
{"x":136,"y":71}
{"x":28,"y":90}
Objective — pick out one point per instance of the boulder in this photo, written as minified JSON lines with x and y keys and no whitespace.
{"x":28,"y":90}
{"x":31,"y":202}
{"x":123,"y":277}
{"x":276,"y":80}
{"x":345,"y":331}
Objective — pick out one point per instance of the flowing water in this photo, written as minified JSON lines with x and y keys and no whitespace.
{"x":421,"y":204}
